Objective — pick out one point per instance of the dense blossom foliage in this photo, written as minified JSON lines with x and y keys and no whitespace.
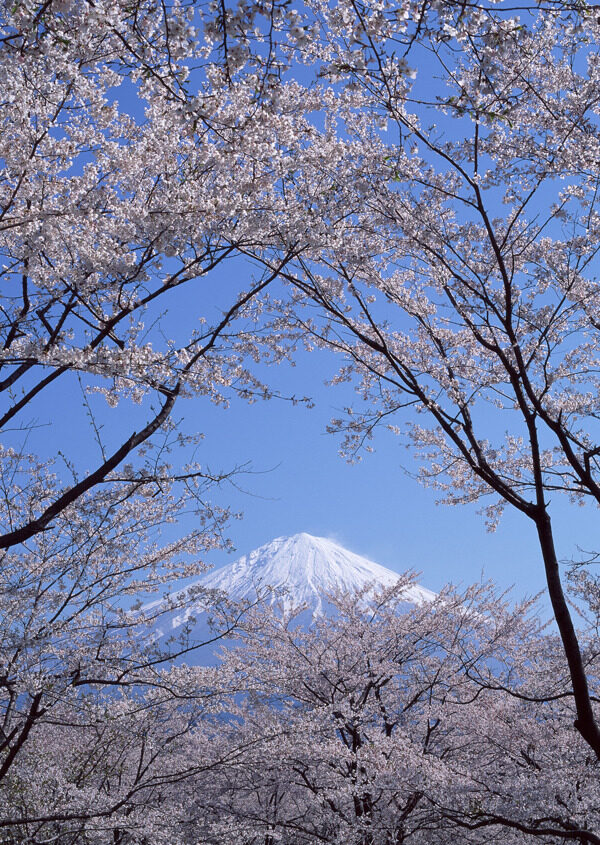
{"x":123,"y":183}
{"x":454,"y":199}
{"x":385,"y":723}
{"x":426,"y":175}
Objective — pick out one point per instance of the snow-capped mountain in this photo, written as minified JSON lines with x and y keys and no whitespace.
{"x":292,"y":571}
{"x":301,"y":570}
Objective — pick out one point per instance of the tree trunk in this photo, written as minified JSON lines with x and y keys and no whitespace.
{"x":586,"y":721}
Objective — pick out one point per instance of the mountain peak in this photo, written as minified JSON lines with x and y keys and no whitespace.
{"x":302,"y":569}
{"x":291,"y":571}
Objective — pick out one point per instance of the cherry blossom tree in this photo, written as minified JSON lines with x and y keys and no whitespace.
{"x":453,"y":248}
{"x":136,"y":155}
{"x":387,"y":724}
{"x":105,"y":216}
{"x":448,"y":233}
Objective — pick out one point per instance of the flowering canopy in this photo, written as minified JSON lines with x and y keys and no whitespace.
{"x":427,"y":175}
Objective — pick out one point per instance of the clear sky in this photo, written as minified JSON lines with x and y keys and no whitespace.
{"x":374,"y":507}
{"x":300,"y":483}
{"x":296,"y":480}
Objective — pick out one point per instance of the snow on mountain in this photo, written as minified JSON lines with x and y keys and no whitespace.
{"x":306,"y":568}
{"x":293,"y":570}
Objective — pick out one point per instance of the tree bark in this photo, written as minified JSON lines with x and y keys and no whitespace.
{"x":585,"y":722}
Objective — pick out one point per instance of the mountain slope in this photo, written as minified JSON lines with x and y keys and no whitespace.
{"x":306,"y":568}
{"x":291,"y":571}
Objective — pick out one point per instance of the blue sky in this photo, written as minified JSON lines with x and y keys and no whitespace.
{"x":296,"y":480}
{"x":374,"y":507}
